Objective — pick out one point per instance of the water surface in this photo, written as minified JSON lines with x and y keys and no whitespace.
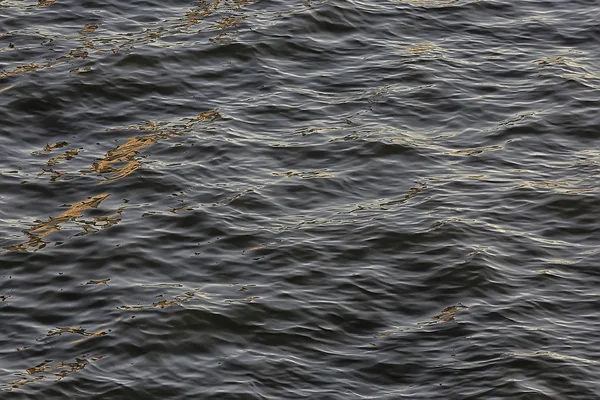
{"x":299,"y":200}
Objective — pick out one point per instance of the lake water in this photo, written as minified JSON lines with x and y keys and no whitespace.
{"x":335,"y":199}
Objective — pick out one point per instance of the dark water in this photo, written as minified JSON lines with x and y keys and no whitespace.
{"x":236,"y":199}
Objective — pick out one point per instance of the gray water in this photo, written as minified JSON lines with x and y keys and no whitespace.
{"x":299,"y":200}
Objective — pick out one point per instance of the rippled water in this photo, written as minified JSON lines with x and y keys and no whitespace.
{"x":236,"y":199}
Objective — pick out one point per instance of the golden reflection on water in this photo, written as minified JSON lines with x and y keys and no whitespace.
{"x":179,"y":299}
{"x":50,"y":147}
{"x":41,"y":230}
{"x":75,"y":330}
{"x":76,"y":53}
{"x":413,"y":192}
{"x":447,"y":314}
{"x":67,"y":155}
{"x":117,"y":163}
{"x":54,"y":175}
{"x":205,"y":11}
{"x":167,"y":302}
{"x":228,"y":22}
{"x":194,"y":17}
{"x":89,"y":28}
{"x":221,"y":38}
{"x":122,"y":161}
{"x":43,"y":3}
{"x":84,"y":69}
{"x":21,"y":69}
{"x":244,"y":300}
{"x":81,"y":331}
{"x":176,"y":300}
{"x":263,"y":246}
{"x":98,"y":282}
{"x":59,"y":369}
{"x":210,"y":115}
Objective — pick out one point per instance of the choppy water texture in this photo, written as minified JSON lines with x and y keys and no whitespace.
{"x":237,"y":199}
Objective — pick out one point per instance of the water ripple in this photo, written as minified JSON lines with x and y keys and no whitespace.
{"x":319,"y":199}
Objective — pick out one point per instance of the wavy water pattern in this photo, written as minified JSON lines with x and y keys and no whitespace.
{"x":240,"y":199}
